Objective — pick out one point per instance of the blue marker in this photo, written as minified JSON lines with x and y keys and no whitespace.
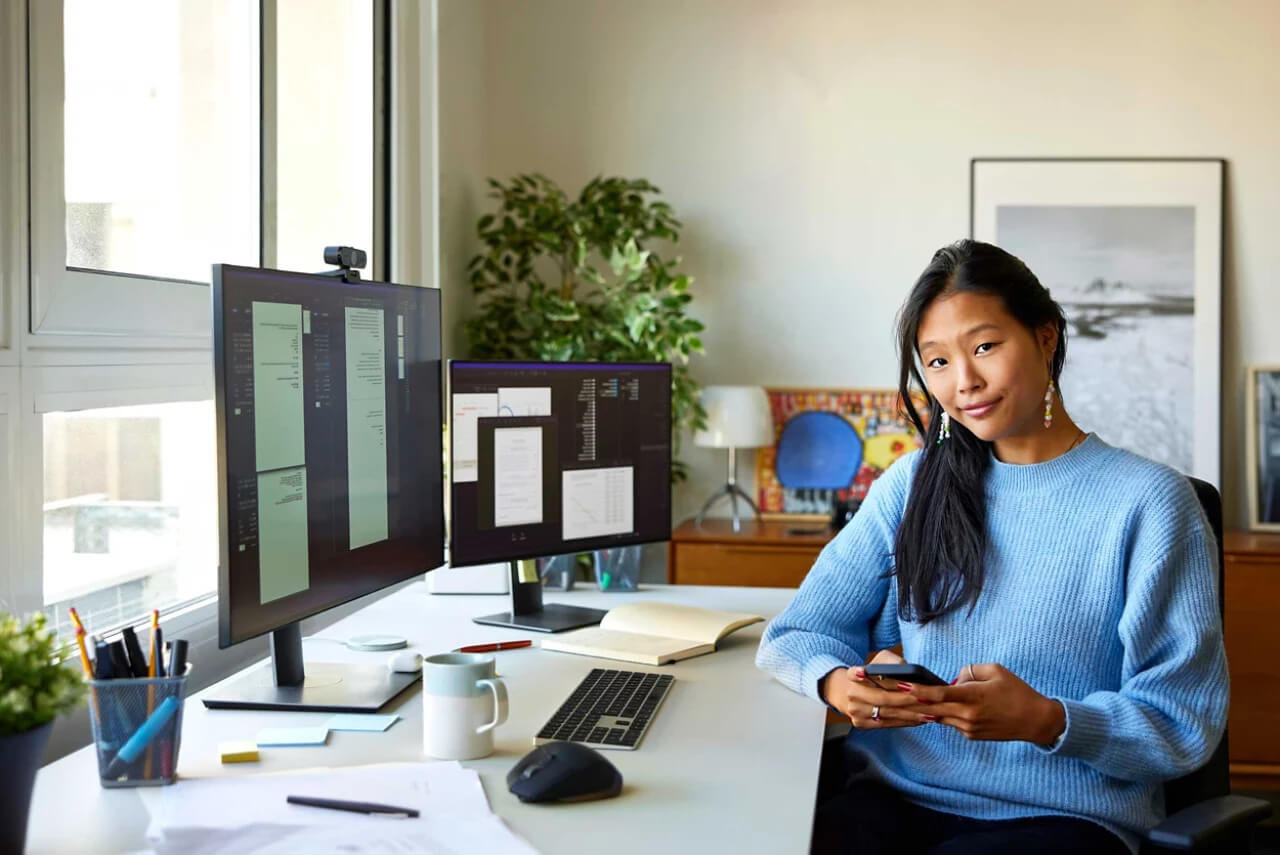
{"x":142,"y":736}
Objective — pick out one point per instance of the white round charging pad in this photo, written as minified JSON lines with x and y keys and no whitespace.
{"x":376,"y":642}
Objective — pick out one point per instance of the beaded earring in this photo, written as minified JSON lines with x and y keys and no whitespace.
{"x":945,"y":431}
{"x":1048,"y":405}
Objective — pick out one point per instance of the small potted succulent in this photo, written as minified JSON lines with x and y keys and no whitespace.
{"x":37,"y":683}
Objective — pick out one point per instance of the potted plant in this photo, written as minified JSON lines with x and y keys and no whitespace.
{"x":581,"y":279}
{"x":36,"y":685}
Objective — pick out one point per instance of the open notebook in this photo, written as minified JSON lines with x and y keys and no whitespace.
{"x":652,"y":633}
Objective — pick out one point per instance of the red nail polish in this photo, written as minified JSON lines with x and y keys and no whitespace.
{"x":956,"y":680}
{"x":930,"y":718}
{"x":924,"y":700}
{"x":906,"y":687}
{"x":858,"y":672}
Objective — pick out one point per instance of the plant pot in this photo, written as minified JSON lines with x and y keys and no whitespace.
{"x":21,"y":753}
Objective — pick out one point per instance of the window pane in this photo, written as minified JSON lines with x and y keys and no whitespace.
{"x":324,"y":130}
{"x":161,"y":135}
{"x":130,"y":510}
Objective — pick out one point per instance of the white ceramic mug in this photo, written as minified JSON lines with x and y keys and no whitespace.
{"x":462,"y":702}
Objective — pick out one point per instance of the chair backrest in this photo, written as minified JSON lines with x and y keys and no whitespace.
{"x":1213,"y":778}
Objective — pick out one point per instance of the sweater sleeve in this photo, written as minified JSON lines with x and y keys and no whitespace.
{"x":830,"y":622}
{"x":1169,"y":713}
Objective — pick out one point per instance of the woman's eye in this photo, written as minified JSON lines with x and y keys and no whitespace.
{"x":986,"y":346}
{"x":937,"y":362}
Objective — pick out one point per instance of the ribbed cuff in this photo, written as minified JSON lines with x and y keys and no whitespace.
{"x":1085,"y":732}
{"x":817,"y":668}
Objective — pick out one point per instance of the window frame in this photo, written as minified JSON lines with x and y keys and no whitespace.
{"x":55,"y":350}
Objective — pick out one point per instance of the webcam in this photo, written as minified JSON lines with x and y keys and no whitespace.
{"x":345,"y":256}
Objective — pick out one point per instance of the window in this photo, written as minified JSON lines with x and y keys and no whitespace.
{"x":168,"y":136}
{"x":130,"y":510}
{"x":165,"y":136}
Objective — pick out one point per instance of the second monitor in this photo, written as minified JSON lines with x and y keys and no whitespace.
{"x":556,"y":457}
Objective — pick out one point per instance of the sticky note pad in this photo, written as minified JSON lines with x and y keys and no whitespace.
{"x":292,"y":736}
{"x":371,"y":723}
{"x":239,"y":751}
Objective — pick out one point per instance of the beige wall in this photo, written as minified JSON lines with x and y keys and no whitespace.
{"x":818,"y":151}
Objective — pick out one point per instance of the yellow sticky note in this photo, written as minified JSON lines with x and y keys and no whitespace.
{"x":240,"y":751}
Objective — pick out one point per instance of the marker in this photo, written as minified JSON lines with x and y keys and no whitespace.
{"x":142,"y":737}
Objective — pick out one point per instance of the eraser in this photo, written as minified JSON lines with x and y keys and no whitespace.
{"x":240,"y":751}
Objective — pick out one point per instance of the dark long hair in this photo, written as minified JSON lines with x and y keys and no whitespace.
{"x":942,"y":540}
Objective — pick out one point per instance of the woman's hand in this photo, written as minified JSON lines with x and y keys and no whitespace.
{"x":994,"y":704}
{"x":855,"y":695}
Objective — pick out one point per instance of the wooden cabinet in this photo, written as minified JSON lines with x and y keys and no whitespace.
{"x":760,"y":554}
{"x":1252,"y":598}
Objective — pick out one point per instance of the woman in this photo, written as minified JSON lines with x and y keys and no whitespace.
{"x":1068,"y":586}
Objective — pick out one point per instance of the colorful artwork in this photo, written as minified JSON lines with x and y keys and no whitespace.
{"x":816,"y":459}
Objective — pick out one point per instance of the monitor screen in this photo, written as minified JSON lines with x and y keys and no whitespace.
{"x":556,"y":457}
{"x":330,"y":479}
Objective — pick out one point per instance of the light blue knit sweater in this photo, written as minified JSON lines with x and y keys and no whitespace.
{"x":1100,"y":592}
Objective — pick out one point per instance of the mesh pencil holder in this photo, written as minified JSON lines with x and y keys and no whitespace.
{"x":137,"y":725}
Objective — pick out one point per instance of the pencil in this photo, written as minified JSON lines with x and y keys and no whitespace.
{"x":151,"y":689}
{"x":84,"y":654}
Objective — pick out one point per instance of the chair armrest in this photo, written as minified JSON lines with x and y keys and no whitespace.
{"x":1203,"y":823}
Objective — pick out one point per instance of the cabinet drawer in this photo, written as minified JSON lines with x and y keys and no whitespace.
{"x":1252,"y":590}
{"x":731,"y":564}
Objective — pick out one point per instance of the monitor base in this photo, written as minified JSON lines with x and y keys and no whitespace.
{"x":552,"y":617}
{"x":328,"y":687}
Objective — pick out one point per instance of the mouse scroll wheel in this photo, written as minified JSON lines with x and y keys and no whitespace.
{"x":534,"y":768}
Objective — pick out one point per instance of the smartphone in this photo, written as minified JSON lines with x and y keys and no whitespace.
{"x":906,"y":672}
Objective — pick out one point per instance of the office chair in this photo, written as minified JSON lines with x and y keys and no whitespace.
{"x":1201,"y":813}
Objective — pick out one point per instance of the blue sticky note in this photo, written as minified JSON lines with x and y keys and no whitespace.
{"x":270,"y":736}
{"x":370,"y":723}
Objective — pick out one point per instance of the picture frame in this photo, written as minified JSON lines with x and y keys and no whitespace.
{"x":1132,"y":248}
{"x":820,"y":465}
{"x":1262,"y":446}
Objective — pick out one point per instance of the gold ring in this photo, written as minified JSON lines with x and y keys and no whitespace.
{"x":972,"y":676}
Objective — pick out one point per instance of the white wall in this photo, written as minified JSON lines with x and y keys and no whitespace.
{"x":818,"y":151}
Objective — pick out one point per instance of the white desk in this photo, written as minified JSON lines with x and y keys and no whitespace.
{"x":730,"y":763}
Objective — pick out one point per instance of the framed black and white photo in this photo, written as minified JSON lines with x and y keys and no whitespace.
{"x":1263,"y":440}
{"x":1132,"y":250}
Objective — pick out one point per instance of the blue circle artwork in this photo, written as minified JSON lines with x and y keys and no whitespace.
{"x":818,"y":451}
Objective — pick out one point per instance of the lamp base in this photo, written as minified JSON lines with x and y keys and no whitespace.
{"x":733,"y":491}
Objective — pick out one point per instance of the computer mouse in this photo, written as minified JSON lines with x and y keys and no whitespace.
{"x":564,"y":772}
{"x":406,"y":660}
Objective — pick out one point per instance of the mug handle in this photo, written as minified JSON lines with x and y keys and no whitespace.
{"x":500,"y":707}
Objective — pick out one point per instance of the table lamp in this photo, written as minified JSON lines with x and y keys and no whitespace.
{"x":737,"y":417}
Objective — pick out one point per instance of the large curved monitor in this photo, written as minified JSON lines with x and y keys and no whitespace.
{"x":329,"y":409}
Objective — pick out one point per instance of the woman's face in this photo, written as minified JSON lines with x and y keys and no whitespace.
{"x":987,"y":370}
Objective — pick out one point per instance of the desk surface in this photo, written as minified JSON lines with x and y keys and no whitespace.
{"x":729,"y":764}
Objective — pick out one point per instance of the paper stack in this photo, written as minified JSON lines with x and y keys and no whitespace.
{"x":242,"y":814}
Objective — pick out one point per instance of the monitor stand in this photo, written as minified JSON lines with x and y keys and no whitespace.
{"x":529,"y":612}
{"x":281,"y":684}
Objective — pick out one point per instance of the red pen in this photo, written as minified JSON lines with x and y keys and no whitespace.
{"x":502,"y":645}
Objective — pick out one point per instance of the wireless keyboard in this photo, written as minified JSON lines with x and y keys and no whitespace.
{"x":610,"y":708}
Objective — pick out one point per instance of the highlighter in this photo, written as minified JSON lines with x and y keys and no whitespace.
{"x":142,"y":736}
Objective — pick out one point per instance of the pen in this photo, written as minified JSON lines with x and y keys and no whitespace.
{"x":137,"y":662}
{"x":178,"y":658}
{"x":357,"y":807}
{"x":501,"y":645}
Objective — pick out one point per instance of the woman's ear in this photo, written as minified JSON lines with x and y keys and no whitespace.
{"x":1047,"y":338}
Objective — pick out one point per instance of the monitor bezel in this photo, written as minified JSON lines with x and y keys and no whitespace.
{"x":587,"y":546}
{"x":226,"y":635}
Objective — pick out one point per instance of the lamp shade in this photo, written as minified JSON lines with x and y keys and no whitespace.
{"x":737,"y":417}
